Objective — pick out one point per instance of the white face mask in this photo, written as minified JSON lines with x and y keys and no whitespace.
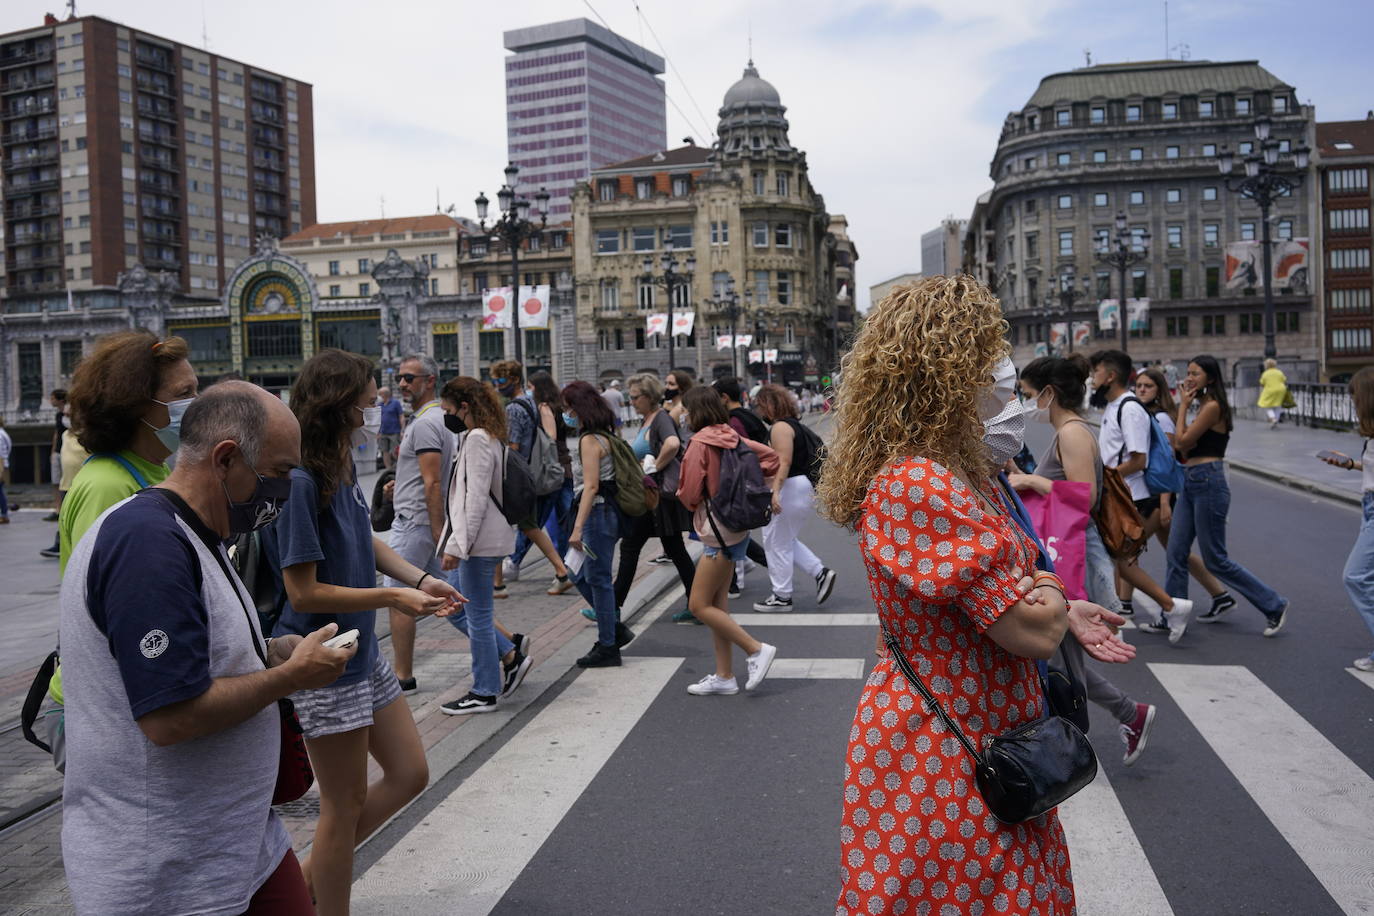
{"x":992,"y":400}
{"x":372,"y":424}
{"x":1037,"y":414}
{"x":1005,"y":434}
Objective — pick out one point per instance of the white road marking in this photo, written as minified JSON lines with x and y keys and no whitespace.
{"x":819,"y":668}
{"x":806,"y":620}
{"x":1317,"y":798}
{"x":464,"y":856}
{"x":1106,"y":856}
{"x":1367,"y":677}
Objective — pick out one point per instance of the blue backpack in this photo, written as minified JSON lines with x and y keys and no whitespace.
{"x":1163,"y":474}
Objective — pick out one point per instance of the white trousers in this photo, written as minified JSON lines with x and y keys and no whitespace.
{"x":780,"y":536}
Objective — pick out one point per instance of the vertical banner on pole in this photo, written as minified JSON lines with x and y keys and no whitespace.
{"x":770,"y":356}
{"x":683,"y":322}
{"x":496,"y":308}
{"x":743,"y":340}
{"x":723,"y":341}
{"x":755,"y":356}
{"x":1082,"y":333}
{"x":1107,"y":312}
{"x":656,"y":323}
{"x":1138,"y":314}
{"x":1059,"y":332}
{"x":534,"y":301}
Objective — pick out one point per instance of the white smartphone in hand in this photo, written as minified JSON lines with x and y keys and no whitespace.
{"x":343,"y":640}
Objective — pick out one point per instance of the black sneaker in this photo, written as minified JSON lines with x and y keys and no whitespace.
{"x":408,"y":685}
{"x":773,"y":605}
{"x":734,"y":587}
{"x":1276,"y":620}
{"x":600,"y":657}
{"x":1155,"y":626}
{"x":1220,"y":605}
{"x":1127,"y":609}
{"x":50,"y":517}
{"x":661,"y":560}
{"x":623,"y":635}
{"x":515,"y":673}
{"x":50,"y":552}
{"x":471,"y":703}
{"x":522,"y":643}
{"x":825,"y":584}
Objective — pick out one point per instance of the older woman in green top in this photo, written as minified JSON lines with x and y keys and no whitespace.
{"x":126,"y":401}
{"x":127,"y":398}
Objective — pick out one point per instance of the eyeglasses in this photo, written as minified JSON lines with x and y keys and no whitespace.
{"x":409,"y":377}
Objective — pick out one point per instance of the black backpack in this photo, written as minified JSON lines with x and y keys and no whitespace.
{"x":808,"y":449}
{"x":742,"y":500}
{"x":517,"y":485}
{"x":383,"y":509}
{"x":253,"y":566}
{"x":754,"y":428}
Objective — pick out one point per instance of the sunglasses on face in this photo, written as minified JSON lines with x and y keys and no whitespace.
{"x":499,"y":381}
{"x":409,"y":377}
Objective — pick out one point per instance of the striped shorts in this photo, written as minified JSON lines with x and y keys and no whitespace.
{"x":334,"y":710}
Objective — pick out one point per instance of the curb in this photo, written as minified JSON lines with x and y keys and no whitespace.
{"x":1296,"y":483}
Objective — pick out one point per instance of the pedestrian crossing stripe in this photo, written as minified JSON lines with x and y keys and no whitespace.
{"x":817,"y":668}
{"x":748,"y":621}
{"x":1106,"y":856}
{"x":1316,"y":797}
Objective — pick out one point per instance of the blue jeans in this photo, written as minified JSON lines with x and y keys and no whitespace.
{"x":4,"y":500}
{"x":474,"y":579}
{"x":594,"y":580}
{"x":561,"y":522}
{"x":1100,"y":571}
{"x":1359,"y":568}
{"x":1200,"y":513}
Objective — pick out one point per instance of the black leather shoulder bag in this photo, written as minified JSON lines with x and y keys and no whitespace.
{"x":1025,"y":772}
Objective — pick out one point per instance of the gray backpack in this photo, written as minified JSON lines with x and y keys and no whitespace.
{"x":544,"y":467}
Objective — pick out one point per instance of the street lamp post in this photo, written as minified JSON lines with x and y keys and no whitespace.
{"x":514,"y":227}
{"x":1121,"y":252}
{"x":728,"y":302}
{"x":1266,"y":179}
{"x":671,"y":280}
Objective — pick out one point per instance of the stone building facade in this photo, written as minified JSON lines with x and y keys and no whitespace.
{"x":747,"y":214}
{"x":1141,"y":139}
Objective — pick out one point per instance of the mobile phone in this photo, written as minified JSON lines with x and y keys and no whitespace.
{"x":1343,"y":460}
{"x":343,"y":640}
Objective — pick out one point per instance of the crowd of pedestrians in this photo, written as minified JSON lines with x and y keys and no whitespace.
{"x":175,"y":671}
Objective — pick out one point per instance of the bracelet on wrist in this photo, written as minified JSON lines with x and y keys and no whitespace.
{"x":421,"y":580}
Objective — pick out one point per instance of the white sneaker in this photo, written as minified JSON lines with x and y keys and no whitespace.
{"x":1178,"y":618}
{"x":1365,"y":664}
{"x":509,"y":571}
{"x":1152,"y":609}
{"x":759,"y":663}
{"x":710,"y":684}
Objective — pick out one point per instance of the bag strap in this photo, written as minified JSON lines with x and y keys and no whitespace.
{"x":34,"y":700}
{"x":1130,"y":398}
{"x":127,"y":464}
{"x":895,"y":649}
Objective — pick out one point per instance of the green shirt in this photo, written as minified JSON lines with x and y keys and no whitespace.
{"x":100,"y":484}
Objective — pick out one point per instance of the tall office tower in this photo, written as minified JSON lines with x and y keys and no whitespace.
{"x":120,"y":147}
{"x":578,"y":96}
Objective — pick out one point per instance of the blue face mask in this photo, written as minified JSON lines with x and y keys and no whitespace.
{"x":569,"y":419}
{"x":170,"y":435}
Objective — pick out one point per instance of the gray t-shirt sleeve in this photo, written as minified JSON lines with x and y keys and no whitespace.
{"x":431,"y":436}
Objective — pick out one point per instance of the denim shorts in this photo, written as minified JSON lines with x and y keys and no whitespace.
{"x":733,"y":552}
{"x":334,"y":710}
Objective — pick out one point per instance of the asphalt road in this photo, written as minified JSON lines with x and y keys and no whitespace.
{"x":1253,"y":797}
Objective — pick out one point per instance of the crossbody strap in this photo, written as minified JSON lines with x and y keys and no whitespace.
{"x":895,"y":649}
{"x":127,"y":464}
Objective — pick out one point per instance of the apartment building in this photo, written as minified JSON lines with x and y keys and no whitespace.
{"x":1345,"y":155}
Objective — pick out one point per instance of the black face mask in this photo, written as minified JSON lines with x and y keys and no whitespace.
{"x":1099,"y":397}
{"x":669,"y":393}
{"x":454,"y":424}
{"x":262,"y":508}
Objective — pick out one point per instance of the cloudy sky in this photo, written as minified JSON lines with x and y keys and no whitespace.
{"x":897,"y":103}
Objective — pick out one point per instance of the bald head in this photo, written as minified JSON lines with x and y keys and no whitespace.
{"x":258,"y":423}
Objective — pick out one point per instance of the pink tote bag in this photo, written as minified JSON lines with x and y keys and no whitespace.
{"x":1061,"y":519}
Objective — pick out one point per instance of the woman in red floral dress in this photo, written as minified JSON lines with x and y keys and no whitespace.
{"x":945,"y":564}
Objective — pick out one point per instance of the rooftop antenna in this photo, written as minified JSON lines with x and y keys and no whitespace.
{"x":1087,"y":57}
{"x":204,"y":27}
{"x":438,"y":208}
{"x":1166,"y":30}
{"x":383,"y":203}
{"x":71,"y":9}
{"x":1183,"y":51}
{"x":751,"y":41}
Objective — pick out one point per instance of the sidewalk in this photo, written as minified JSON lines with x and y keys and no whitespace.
{"x":1287,"y":455}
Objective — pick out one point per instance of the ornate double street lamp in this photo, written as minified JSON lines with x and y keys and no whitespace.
{"x":514,"y":227}
{"x":671,"y":280}
{"x":1121,"y":252}
{"x":728,"y":302}
{"x":1266,"y":178}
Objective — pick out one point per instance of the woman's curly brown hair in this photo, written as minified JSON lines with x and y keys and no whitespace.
{"x":909,"y":387}
{"x":483,"y":403}
{"x":113,"y":386}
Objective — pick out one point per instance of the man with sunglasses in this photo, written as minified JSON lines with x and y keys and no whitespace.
{"x":422,"y":467}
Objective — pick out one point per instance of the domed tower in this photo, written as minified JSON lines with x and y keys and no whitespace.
{"x":751,"y":118}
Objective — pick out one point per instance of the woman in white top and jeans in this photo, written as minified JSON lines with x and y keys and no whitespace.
{"x":478,"y":537}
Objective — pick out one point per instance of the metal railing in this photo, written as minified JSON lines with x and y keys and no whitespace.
{"x":1323,"y":405}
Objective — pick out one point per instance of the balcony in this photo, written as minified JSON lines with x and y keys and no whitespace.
{"x":32,"y":55}
{"x":160,"y":138}
{"x":32,"y":108}
{"x":161,"y":261}
{"x":156,"y":59}
{"x":35,"y":238}
{"x":38,"y":263}
{"x":266,"y":114}
{"x":267,"y":137}
{"x":159,"y":213}
{"x":28,"y":83}
{"x":32,"y":212}
{"x":265,"y":162}
{"x":30,"y":187}
{"x":154,"y":233}
{"x":154,"y":161}
{"x":149,"y":182}
{"x":268,"y":92}
{"x":28,"y":136}
{"x":44,"y":156}
{"x":161,"y":112}
{"x":148,"y":83}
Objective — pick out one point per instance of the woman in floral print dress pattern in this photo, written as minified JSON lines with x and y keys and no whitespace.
{"x":908,"y":471}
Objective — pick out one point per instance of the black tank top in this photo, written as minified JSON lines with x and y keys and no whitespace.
{"x":1210,"y":444}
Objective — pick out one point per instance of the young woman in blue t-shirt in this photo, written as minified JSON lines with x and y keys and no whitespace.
{"x":328,"y":557}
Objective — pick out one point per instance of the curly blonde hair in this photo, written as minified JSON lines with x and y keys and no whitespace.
{"x":909,"y":387}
